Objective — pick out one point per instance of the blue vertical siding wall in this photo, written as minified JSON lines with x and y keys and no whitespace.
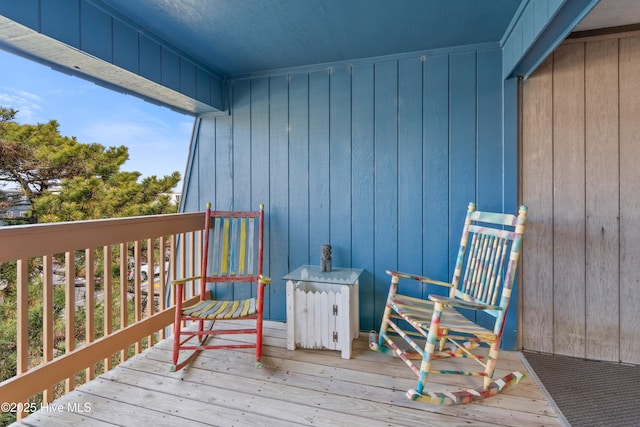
{"x":378,"y":159}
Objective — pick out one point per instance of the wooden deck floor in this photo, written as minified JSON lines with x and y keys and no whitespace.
{"x":302,"y":387}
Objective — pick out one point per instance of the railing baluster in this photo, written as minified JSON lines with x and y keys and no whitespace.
{"x":107,"y":315}
{"x":193,"y":262}
{"x":124,"y":312}
{"x":151,"y":278}
{"x":174,"y":271}
{"x":89,"y":305}
{"x":47,"y":319}
{"x":137,"y":291}
{"x":22,"y":341}
{"x":183,"y":257}
{"x":70,"y":314}
{"x":163,"y":282}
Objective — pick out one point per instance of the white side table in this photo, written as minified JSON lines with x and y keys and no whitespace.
{"x":322,"y":308}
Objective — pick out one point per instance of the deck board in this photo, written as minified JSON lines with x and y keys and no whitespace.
{"x":302,"y":387}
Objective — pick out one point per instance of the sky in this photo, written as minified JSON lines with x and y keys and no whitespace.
{"x":157,"y":137}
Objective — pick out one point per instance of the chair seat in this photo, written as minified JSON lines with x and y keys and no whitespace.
{"x":212,"y":309}
{"x":419,"y":312}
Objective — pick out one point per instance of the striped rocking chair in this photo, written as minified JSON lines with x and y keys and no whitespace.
{"x":423,"y":331}
{"x":232,"y":254}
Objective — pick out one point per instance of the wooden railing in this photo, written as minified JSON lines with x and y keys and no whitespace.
{"x":105,"y":261}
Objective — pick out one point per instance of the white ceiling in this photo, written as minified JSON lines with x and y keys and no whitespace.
{"x":611,"y":13}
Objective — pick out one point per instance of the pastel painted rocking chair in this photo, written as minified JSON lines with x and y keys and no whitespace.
{"x":232,"y":254}
{"x":427,"y":330}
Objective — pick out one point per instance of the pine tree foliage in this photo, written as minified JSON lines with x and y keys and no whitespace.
{"x":66,"y":180}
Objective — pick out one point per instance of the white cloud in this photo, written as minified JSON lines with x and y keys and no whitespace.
{"x":27,"y":104}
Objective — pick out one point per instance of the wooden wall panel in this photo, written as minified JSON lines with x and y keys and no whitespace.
{"x":206,"y":155}
{"x":319,"y":161}
{"x":298,"y":169}
{"x":125,"y":49}
{"x":362,"y":155}
{"x":580,"y":178}
{"x":386,"y":181}
{"x":260,"y":167}
{"x":629,"y":200}
{"x":241,"y":118}
{"x":537,"y":193}
{"x":278,"y":189}
{"x":150,"y":59}
{"x":170,"y":68}
{"x":462,"y":145}
{"x":569,"y":201}
{"x":489,"y":129}
{"x":377,"y":159}
{"x":60,"y":20}
{"x":409,"y":170}
{"x":602,"y":201}
{"x":223,"y":197}
{"x":96,"y":32}
{"x":340,"y":161}
{"x":435,"y":172}
{"x":187,"y":77}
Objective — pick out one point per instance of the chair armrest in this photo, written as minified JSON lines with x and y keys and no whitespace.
{"x":419,"y":278}
{"x":454,"y":302}
{"x":264,"y":280}
{"x":185,"y":280}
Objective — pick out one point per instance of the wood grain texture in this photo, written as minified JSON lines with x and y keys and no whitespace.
{"x":602,"y":200}
{"x":569,"y":201}
{"x":537,"y":194}
{"x":629,"y":199}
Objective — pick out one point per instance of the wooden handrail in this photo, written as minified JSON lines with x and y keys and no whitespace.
{"x":28,"y":241}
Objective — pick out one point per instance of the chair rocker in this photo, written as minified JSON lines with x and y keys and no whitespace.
{"x":232,"y":254}
{"x":427,"y":330}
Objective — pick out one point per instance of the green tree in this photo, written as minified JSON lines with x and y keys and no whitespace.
{"x":65,"y":180}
